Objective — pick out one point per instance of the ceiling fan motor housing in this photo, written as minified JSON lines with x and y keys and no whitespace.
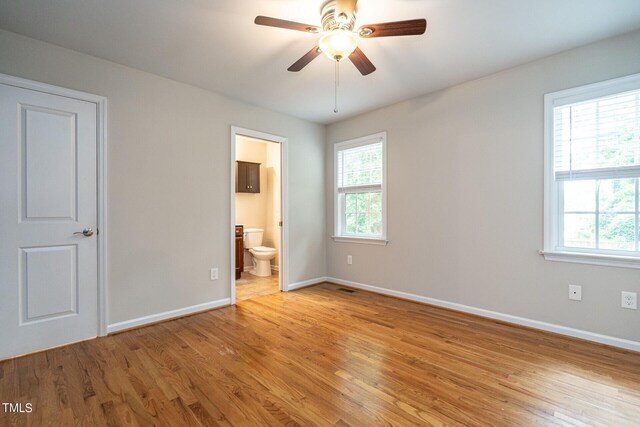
{"x":332,"y":20}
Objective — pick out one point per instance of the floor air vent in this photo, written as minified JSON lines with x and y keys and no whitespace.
{"x":349,"y":291}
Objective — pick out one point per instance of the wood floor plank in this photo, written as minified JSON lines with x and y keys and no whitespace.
{"x":318,"y":357}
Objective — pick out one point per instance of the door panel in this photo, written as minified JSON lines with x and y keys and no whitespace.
{"x":48,"y":192}
{"x":253,"y":177}
{"x":242,"y":185}
{"x":49,"y":282}
{"x":48,"y":163}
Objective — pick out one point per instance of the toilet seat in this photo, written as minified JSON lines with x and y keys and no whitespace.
{"x":263,"y":249}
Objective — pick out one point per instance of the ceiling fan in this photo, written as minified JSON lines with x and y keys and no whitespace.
{"x":339,"y":40}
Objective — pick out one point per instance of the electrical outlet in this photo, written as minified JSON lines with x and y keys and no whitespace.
{"x":349,"y":259}
{"x":214,"y":274}
{"x":630,"y":300}
{"x":575,"y":292}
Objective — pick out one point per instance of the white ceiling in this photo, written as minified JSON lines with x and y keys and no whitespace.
{"x":214,"y":44}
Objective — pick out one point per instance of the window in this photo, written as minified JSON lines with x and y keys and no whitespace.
{"x":592,"y":175}
{"x":360,"y":196}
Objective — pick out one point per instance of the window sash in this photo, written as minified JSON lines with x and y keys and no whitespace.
{"x":589,"y":135}
{"x":341,"y":157}
{"x":343,"y":215}
{"x":597,"y":213}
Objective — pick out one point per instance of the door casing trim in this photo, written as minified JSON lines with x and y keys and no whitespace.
{"x":101,"y":152}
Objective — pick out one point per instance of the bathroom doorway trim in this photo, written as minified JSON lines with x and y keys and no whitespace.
{"x":284,"y":197}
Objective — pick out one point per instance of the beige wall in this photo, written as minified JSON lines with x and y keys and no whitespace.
{"x":169,"y":178}
{"x":465,"y":197}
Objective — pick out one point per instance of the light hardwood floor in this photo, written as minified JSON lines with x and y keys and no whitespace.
{"x":250,"y":286}
{"x":320,"y":356}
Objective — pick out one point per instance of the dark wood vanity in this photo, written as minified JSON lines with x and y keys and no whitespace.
{"x":239,"y":251}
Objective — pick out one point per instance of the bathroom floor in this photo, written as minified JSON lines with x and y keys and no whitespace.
{"x":250,"y":286}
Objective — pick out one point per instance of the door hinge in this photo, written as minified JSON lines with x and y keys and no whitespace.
{"x":280,"y":223}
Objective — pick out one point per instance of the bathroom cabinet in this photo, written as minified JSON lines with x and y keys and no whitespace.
{"x":239,"y":251}
{"x":247,"y":177}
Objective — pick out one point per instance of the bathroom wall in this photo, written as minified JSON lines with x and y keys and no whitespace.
{"x":272,"y":228}
{"x":251,"y":208}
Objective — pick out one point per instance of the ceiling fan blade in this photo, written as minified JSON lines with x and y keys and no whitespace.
{"x":289,"y":25}
{"x":361,"y":62}
{"x":302,"y":62}
{"x":413,"y":27}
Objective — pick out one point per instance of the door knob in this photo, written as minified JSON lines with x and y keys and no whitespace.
{"x":87,"y":232}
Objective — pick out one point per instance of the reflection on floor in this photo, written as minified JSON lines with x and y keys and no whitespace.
{"x":250,"y":286}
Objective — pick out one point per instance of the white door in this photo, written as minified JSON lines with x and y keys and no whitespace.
{"x":48,"y":196}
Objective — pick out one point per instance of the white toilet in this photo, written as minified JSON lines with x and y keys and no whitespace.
{"x":262,"y":255}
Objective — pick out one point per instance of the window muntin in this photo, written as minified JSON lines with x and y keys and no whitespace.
{"x":593,"y":197}
{"x":360,"y":198}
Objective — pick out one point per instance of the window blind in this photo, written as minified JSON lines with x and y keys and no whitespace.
{"x":598,"y":138}
{"x":360,"y":168}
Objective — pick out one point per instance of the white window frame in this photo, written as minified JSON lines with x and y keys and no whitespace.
{"x":338,"y":207}
{"x":553,"y":196}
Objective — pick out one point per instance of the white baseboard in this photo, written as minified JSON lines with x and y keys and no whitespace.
{"x":305,"y":283}
{"x":153,"y":318}
{"x":536,"y":324}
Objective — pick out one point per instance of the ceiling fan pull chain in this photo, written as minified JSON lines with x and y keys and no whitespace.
{"x":337,"y":81}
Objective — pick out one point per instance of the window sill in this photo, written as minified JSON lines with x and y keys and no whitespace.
{"x":593,"y":259}
{"x":360,"y":240}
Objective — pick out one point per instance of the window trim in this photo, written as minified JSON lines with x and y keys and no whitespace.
{"x":365,"y":239}
{"x":552,"y":192}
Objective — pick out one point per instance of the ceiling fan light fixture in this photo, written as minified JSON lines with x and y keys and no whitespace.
{"x":338,"y":44}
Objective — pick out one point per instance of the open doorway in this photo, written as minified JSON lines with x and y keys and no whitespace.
{"x":258,"y":196}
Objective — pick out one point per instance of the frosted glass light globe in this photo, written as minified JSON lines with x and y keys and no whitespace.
{"x":338,"y":44}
